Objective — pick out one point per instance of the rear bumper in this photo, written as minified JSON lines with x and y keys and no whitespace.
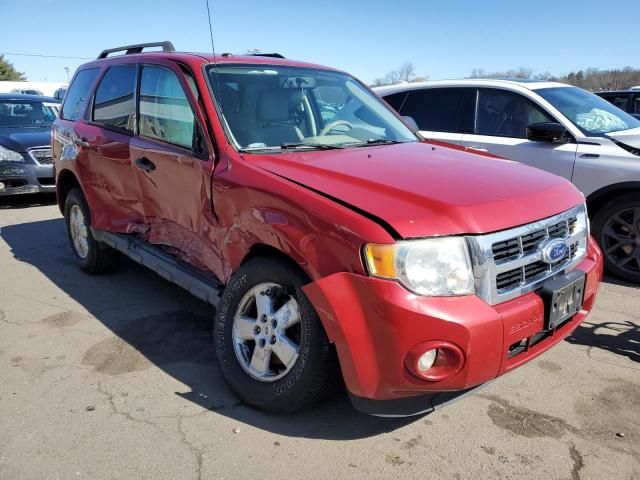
{"x":375,"y":323}
{"x":22,"y":178}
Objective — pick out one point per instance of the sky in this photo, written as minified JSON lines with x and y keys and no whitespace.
{"x":443,"y":39}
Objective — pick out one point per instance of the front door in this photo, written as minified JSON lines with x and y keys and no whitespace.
{"x":502,"y":118}
{"x":171,"y":162}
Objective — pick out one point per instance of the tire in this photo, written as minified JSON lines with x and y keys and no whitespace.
{"x":616,"y":226}
{"x":282,"y":389}
{"x":93,"y":257}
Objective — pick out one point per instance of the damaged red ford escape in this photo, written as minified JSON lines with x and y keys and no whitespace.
{"x":332,"y":241}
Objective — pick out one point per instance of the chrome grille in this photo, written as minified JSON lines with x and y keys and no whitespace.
{"x":509,"y":263}
{"x":42,"y":156}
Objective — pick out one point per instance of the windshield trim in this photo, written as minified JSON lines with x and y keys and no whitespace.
{"x":227,"y":130}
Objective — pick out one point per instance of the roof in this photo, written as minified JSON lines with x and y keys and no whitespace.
{"x":189,"y":57}
{"x":470,"y":82}
{"x":24,"y":96}
{"x":618,"y":91}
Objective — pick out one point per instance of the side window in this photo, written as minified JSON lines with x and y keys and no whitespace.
{"x":75,"y":101}
{"x":113,"y":105}
{"x":436,"y":109}
{"x":165,"y":113}
{"x":506,"y":114}
{"x":637,"y":104}
{"x":396,"y":100}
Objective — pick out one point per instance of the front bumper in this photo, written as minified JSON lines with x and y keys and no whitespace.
{"x":374,"y":323}
{"x":21,"y":178}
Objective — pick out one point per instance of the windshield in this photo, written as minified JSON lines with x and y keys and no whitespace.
{"x":27,"y":113}
{"x":593,"y":115}
{"x":269,"y":107}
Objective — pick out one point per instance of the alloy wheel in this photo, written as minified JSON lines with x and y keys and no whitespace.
{"x":266,"y":332}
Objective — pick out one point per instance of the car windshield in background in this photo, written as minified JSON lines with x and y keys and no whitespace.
{"x":276,"y":108}
{"x":593,"y":115}
{"x":27,"y":113}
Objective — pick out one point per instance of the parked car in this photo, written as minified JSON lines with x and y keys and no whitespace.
{"x":626,"y":100}
{"x":319,"y":233}
{"x":27,"y":91}
{"x":556,"y":127}
{"x":59,"y":93}
{"x":26,"y":165}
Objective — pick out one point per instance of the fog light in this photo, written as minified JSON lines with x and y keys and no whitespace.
{"x":434,"y":360}
{"x":2,"y":186}
{"x":427,"y":359}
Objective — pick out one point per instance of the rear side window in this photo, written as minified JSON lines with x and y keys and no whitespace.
{"x":75,"y":101}
{"x":439,"y":109}
{"x":396,"y":100}
{"x":114,"y":106}
{"x":165,"y":112}
{"x":637,"y":103}
{"x":507,"y":114}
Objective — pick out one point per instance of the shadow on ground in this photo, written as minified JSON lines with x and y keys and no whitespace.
{"x":173,"y":333}
{"x":28,"y":200}
{"x":622,"y":338}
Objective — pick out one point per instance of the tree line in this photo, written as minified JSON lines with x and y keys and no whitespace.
{"x":592,"y":79}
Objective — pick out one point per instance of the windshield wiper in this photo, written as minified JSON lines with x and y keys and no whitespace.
{"x":319,"y":146}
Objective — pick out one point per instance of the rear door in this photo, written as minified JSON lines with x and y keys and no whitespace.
{"x":502,"y":118}
{"x":173,"y":166}
{"x":441,"y":113}
{"x":107,"y":176}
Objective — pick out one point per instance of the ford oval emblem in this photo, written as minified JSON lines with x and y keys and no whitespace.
{"x":553,"y":250}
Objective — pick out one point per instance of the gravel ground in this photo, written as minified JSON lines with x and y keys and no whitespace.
{"x":114,"y":377}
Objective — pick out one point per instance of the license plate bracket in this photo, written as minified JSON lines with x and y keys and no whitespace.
{"x":563,"y":297}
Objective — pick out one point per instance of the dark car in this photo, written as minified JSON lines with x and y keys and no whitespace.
{"x":26,"y":165}
{"x":627,"y":100}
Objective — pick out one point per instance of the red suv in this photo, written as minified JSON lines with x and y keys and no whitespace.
{"x":332,"y":242}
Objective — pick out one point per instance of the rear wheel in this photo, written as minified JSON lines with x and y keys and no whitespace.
{"x":90,"y":255}
{"x":270,"y":344}
{"x":617,"y":228}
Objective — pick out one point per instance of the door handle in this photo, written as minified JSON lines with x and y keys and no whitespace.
{"x":478,"y":149}
{"x":143,"y":163}
{"x":82,"y":143}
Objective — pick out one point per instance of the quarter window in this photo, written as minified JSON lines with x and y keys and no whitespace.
{"x":114,"y":106}
{"x":75,"y":101}
{"x":507,"y":114}
{"x":165,"y":113}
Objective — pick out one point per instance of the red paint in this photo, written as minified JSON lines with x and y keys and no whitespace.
{"x":213,"y":212}
{"x":375,"y":323}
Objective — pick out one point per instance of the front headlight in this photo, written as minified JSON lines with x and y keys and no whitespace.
{"x":582,"y":221}
{"x":7,"y":155}
{"x":433,"y":266}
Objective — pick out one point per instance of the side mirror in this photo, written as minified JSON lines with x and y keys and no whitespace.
{"x":411,"y":122}
{"x":546,"y":132}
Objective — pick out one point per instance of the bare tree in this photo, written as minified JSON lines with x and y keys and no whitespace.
{"x":404,"y":73}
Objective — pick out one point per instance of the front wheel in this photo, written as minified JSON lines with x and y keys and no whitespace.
{"x":617,"y":228}
{"x":270,"y":344}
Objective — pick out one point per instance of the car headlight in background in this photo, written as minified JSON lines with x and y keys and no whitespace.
{"x":7,"y":155}
{"x":433,"y":266}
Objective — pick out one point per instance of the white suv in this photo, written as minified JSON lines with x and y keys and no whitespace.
{"x":556,"y":127}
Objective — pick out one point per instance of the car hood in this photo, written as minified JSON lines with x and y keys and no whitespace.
{"x":629,"y":137}
{"x":423,"y":189}
{"x":22,"y":139}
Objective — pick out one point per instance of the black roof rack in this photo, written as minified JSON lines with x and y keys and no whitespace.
{"x":129,"y":49}
{"x":272,"y":55}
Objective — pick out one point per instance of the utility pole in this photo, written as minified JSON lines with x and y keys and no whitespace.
{"x":66,"y":69}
